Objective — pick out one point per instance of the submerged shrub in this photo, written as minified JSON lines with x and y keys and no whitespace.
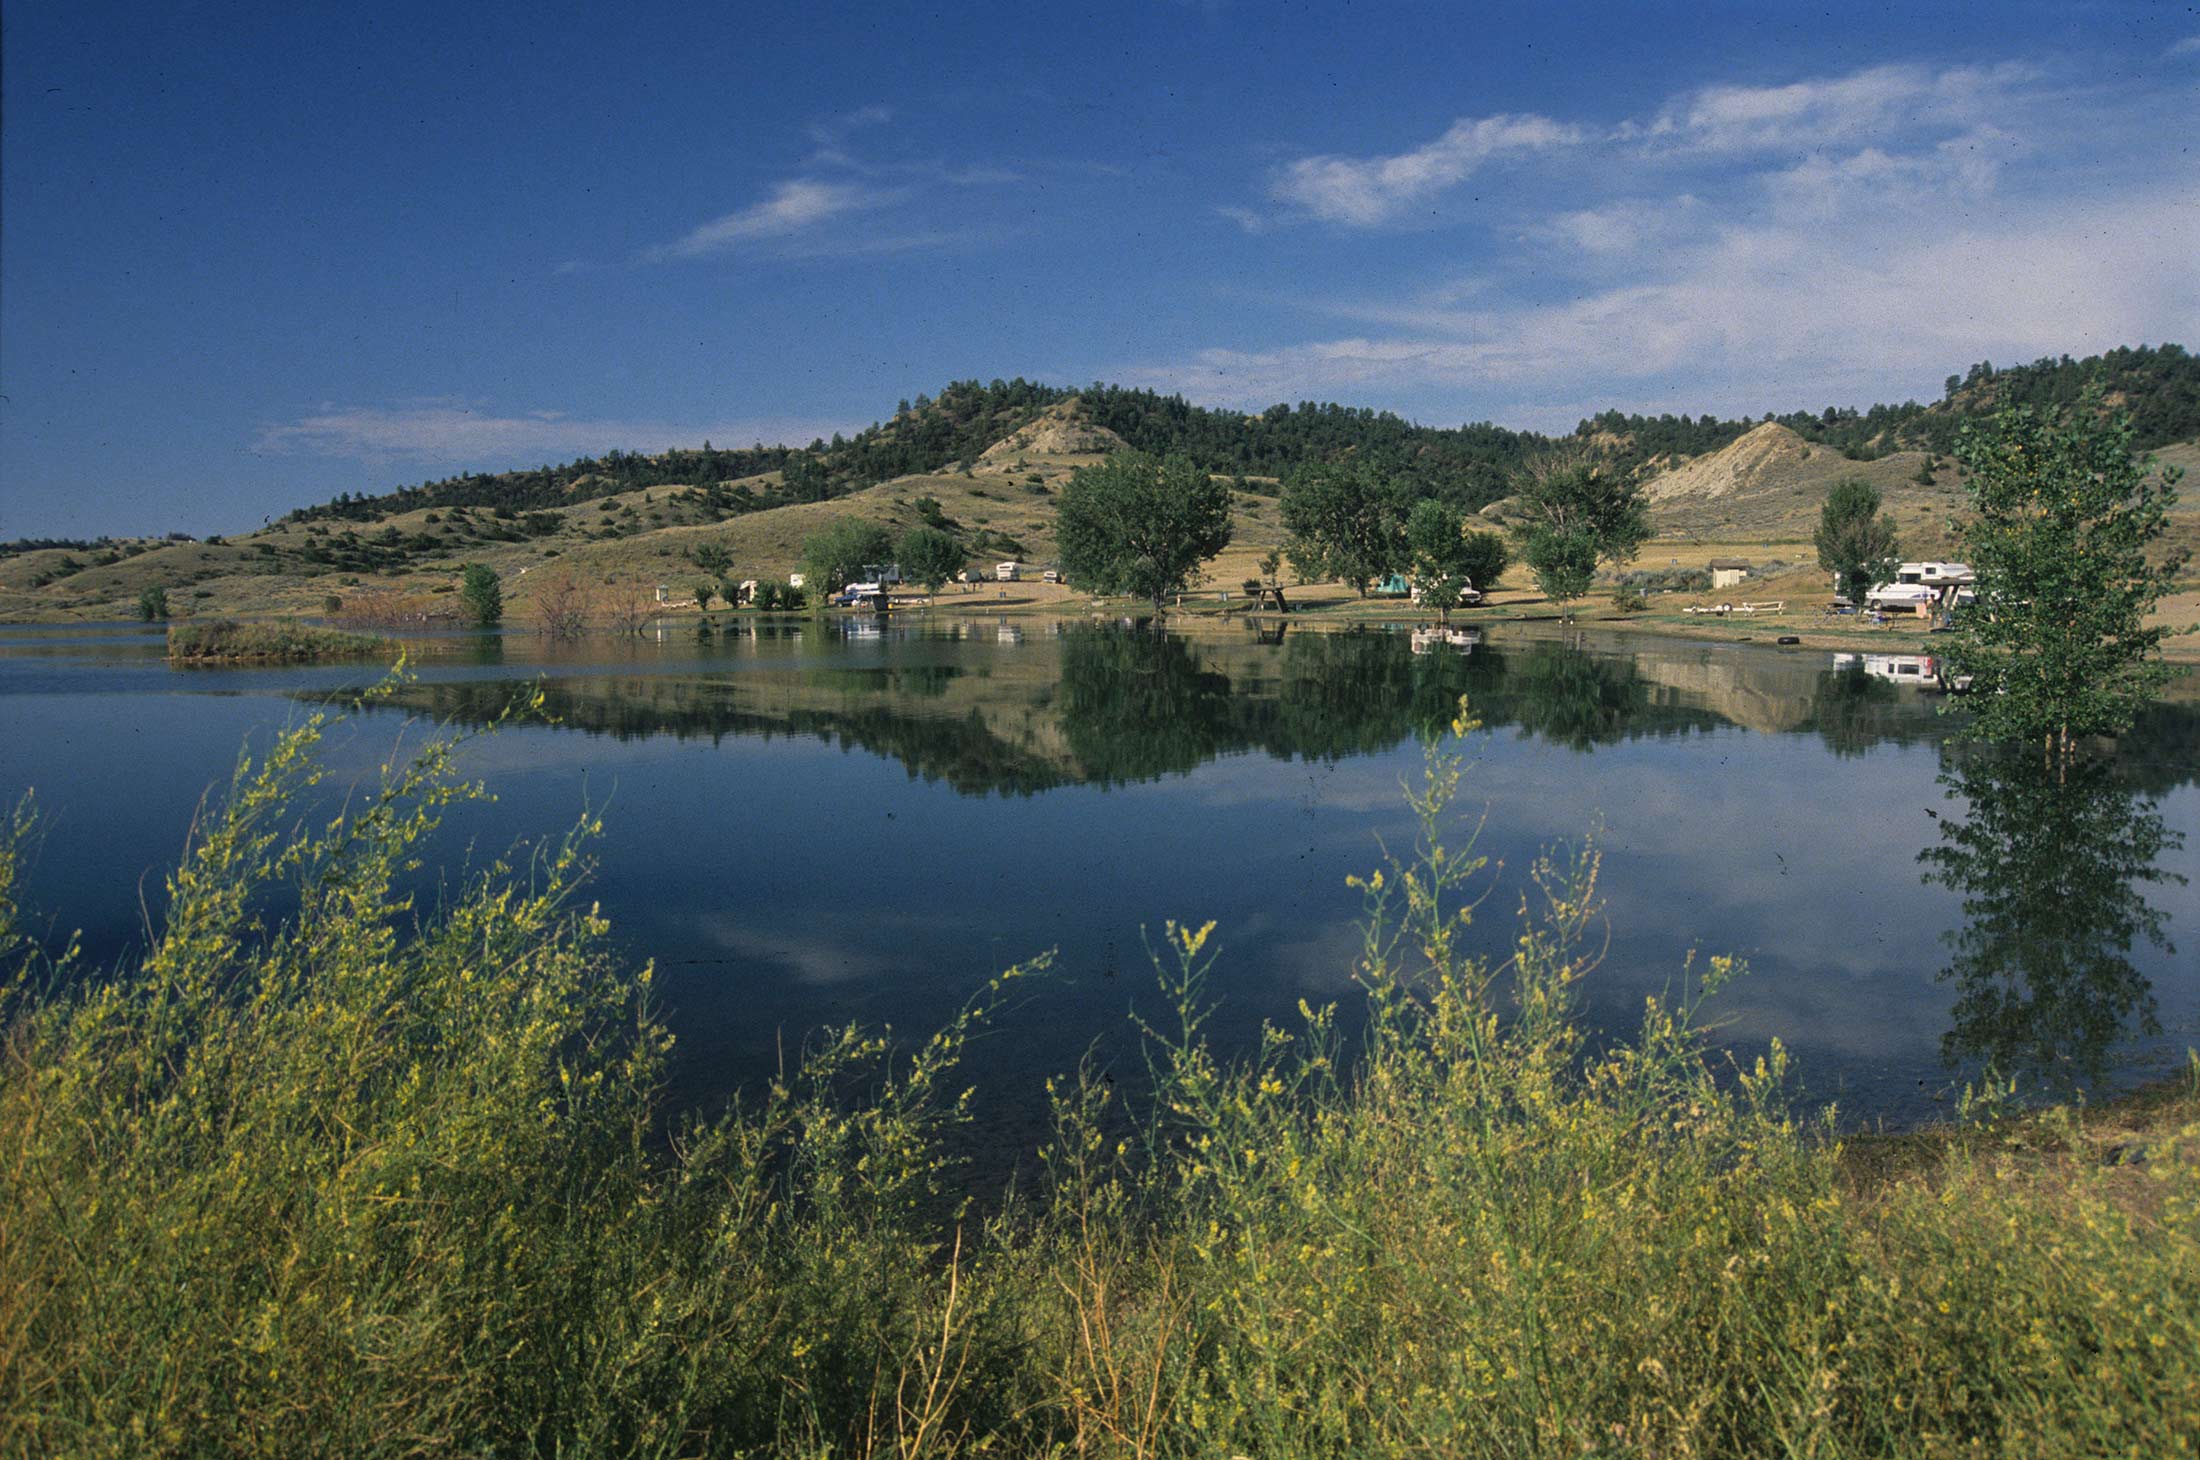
{"x":330,"y":1172}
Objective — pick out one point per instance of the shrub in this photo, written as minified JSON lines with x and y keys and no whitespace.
{"x":153,"y":604}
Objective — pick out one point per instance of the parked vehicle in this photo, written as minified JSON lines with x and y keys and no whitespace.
{"x":1007,"y":572}
{"x":1902,"y":598}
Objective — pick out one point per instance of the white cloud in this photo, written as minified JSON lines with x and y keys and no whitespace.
{"x":2189,"y":46}
{"x":1245,"y":218}
{"x":454,"y":431}
{"x":1765,"y":315}
{"x":1837,"y":238}
{"x":1625,"y":227}
{"x":1365,"y":191}
{"x":794,"y":207}
{"x":1865,"y":107}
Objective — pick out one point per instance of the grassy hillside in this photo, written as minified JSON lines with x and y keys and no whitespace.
{"x":993,"y":457}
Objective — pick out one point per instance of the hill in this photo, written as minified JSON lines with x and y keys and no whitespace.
{"x":1769,"y":484}
{"x":986,"y":460}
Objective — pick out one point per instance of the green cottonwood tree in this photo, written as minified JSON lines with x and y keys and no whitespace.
{"x":1141,"y":526}
{"x":1564,"y":561}
{"x":930,"y":556}
{"x":1576,"y":509}
{"x":481,"y":595}
{"x":2065,"y":545}
{"x":1855,"y":540}
{"x":1437,"y":546}
{"x":835,"y":554}
{"x":1346,"y":522}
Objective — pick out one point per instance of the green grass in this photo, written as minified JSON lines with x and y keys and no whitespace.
{"x":331,"y":1173}
{"x":226,"y":641}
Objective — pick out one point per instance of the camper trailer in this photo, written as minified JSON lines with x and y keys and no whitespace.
{"x":1007,"y":572}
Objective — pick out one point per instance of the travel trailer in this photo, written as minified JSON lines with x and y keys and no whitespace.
{"x":1007,"y":572}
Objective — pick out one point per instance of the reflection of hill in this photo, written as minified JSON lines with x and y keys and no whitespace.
{"x":1108,"y":705}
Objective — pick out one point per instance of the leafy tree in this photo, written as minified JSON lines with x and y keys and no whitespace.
{"x":1485,"y":557}
{"x":729,"y":591}
{"x":713,"y":558}
{"x":835,"y":554}
{"x":930,"y":556}
{"x":1140,"y":526}
{"x":1564,"y":561}
{"x":2064,"y":542}
{"x":703,"y":592}
{"x":153,"y":604}
{"x":1856,"y":542}
{"x":1436,"y":542}
{"x":1271,"y":566}
{"x":1577,"y":509}
{"x":1346,"y":522}
{"x":1578,"y":493}
{"x":481,"y":595}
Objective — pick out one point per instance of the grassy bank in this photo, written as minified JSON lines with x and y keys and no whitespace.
{"x":227,"y":641}
{"x":330,"y":1173}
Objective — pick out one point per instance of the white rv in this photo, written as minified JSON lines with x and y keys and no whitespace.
{"x":1007,"y":572}
{"x":1902,"y":598}
{"x":1936,"y":574}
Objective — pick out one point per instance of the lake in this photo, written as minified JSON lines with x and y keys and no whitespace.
{"x":813,"y":822}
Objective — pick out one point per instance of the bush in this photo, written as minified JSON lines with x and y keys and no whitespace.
{"x":153,"y":604}
{"x":1628,"y":598}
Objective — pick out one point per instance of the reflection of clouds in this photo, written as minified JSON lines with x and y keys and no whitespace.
{"x":808,"y":959}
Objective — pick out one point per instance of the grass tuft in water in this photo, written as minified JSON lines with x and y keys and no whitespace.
{"x":227,"y":641}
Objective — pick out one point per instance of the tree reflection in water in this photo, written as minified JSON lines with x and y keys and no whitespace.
{"x":2051,"y":862}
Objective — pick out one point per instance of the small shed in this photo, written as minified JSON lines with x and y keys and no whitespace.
{"x":1726,"y":572}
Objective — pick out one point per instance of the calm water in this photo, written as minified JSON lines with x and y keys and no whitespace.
{"x":813,"y":823}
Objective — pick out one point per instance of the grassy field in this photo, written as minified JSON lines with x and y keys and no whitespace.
{"x":367,"y":1179}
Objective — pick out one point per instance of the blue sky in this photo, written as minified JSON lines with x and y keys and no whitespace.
{"x":254,"y":255}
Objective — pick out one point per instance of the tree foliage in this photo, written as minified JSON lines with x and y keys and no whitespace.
{"x":1141,"y":526}
{"x":1575,"y":509}
{"x":481,"y":595}
{"x":1347,"y":521}
{"x":1582,"y":493}
{"x":1484,"y":557}
{"x":930,"y":556}
{"x":2066,"y":545}
{"x":1436,"y":545}
{"x":153,"y":604}
{"x":1856,"y":542}
{"x":834,"y":555}
{"x":1564,"y":561}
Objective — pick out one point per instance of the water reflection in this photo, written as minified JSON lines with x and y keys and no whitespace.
{"x":2052,"y":864}
{"x":1116,"y":704}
